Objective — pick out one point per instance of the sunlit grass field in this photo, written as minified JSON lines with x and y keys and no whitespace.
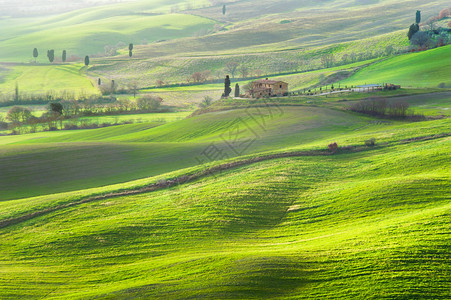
{"x":43,"y":79}
{"x":423,"y":69}
{"x":247,"y":200}
{"x":370,"y":224}
{"x":88,"y":31}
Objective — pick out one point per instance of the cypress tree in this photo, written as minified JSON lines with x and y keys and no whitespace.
{"x":227,"y":88}
{"x":237,"y":90}
{"x":16,"y":96}
{"x":99,"y":82}
{"x":418,"y":17}
{"x":86,"y":60}
{"x":130,"y":50}
{"x":224,"y":9}
{"x":64,"y":56}
{"x":35,"y":54}
{"x":51,"y":55}
{"x":414,"y":28}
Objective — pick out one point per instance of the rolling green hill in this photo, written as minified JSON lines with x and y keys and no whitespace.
{"x":243,"y":199}
{"x":44,"y":79}
{"x":88,"y":31}
{"x":368,"y":224}
{"x":423,"y":69}
{"x":122,"y":153}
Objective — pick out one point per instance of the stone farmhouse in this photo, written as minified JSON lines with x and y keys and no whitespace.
{"x":267,"y":88}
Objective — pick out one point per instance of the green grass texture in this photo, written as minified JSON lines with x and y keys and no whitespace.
{"x":422,"y":69}
{"x":361,"y":225}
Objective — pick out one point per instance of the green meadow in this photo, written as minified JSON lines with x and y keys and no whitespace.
{"x":366,"y":224}
{"x":242,"y":199}
{"x":423,"y":69}
{"x":41,"y":79}
{"x":88,"y":31}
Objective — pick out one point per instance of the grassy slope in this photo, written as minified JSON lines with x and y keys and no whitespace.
{"x":363,"y":225}
{"x":424,"y":69}
{"x":46,"y":78}
{"x":123,"y":153}
{"x":87,"y":31}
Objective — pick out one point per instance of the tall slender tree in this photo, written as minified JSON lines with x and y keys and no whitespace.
{"x":86,"y":60}
{"x":237,"y":90}
{"x":130,"y":50}
{"x":63,"y":57}
{"x":51,"y":55}
{"x":16,"y":95}
{"x":35,"y":54}
{"x":418,"y":17}
{"x":224,"y":9}
{"x":227,"y":88}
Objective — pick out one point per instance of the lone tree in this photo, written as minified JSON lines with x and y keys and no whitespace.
{"x":227,"y":88}
{"x":56,"y":107}
{"x":414,"y":28}
{"x":64,"y":56}
{"x":99,"y":81}
{"x":35,"y":54}
{"x":16,"y":94}
{"x":231,"y":67}
{"x":56,"y":112}
{"x":224,"y":9}
{"x":130,"y":50}
{"x":86,"y":60}
{"x":237,"y":90}
{"x":51,"y":55}
{"x":418,"y":17}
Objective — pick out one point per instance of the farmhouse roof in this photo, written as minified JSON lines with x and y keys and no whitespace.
{"x":368,"y":85}
{"x":267,"y":81}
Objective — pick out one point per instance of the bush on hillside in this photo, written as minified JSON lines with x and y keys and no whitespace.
{"x":421,"y":39}
{"x":371,"y":142}
{"x":206,"y":102}
{"x":148,"y":103}
{"x":333,"y":147}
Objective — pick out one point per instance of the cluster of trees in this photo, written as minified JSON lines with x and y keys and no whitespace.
{"x":381,"y":107}
{"x":19,"y":116}
{"x":64,"y":110}
{"x":50,"y":55}
{"x":146,"y":103}
{"x":431,"y":36}
{"x":285,"y":66}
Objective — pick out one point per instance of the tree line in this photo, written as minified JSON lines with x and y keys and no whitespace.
{"x":57,"y":112}
{"x":381,"y":107}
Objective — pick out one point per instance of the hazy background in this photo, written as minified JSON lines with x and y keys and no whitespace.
{"x":28,"y":8}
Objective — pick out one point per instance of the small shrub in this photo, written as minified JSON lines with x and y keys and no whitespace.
{"x":70,"y":126}
{"x":333,"y":147}
{"x":442,"y":85}
{"x":371,"y":142}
